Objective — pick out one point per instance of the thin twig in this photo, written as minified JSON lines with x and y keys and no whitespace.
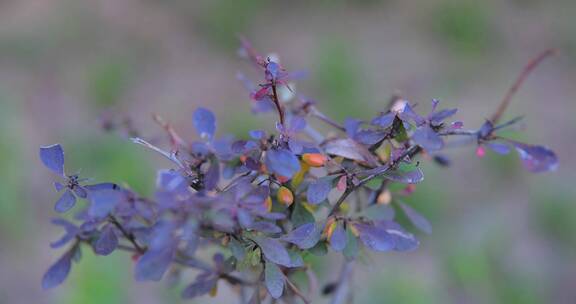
{"x":128,"y":235}
{"x":296,"y":291}
{"x":277,"y":103}
{"x":410,"y":152}
{"x":516,"y":85}
{"x":321,"y":116}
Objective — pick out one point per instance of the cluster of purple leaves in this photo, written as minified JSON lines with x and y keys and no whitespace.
{"x":268,"y":201}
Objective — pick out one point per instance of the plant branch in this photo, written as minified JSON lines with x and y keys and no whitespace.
{"x":277,"y":103}
{"x":296,"y":291}
{"x":516,"y":85}
{"x":410,"y":152}
{"x":128,"y":235}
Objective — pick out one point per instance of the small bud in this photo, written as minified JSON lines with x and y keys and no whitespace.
{"x":214,"y":290}
{"x":342,"y":183}
{"x":480,"y":151}
{"x":409,"y":189}
{"x":282,"y":179}
{"x":225,"y":240}
{"x":268,"y":204}
{"x":384,"y":198}
{"x":314,"y":159}
{"x":285,"y":196}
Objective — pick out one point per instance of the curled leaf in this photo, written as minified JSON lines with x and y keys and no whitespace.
{"x":537,"y":158}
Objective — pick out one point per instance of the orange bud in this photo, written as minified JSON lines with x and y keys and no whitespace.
{"x":314,"y":159}
{"x":214,"y":290}
{"x":285,"y":196}
{"x":281,"y":179}
{"x":243,"y":158}
{"x":384,"y":198}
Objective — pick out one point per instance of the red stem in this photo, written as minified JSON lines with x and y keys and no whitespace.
{"x":516,"y":85}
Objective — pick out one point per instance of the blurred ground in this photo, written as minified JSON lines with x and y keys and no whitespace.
{"x":500,"y":235}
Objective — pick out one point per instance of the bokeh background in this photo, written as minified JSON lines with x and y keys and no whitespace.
{"x":500,"y":235}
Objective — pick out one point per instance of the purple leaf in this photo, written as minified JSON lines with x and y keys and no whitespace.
{"x":297,"y":124}
{"x":65,"y":202}
{"x":369,"y":137}
{"x":273,"y":250}
{"x":408,"y":114}
{"x":384,"y":120}
{"x":58,"y":186}
{"x":257,"y":134}
{"x":153,"y":264}
{"x":58,"y":272}
{"x":537,"y":158}
{"x":106,"y":242}
{"x":245,"y":219}
{"x":352,"y":125}
{"x":80,"y":191}
{"x":318,"y":190}
{"x":410,"y":177}
{"x":201,"y":287}
{"x":375,"y":238}
{"x":499,"y":148}
{"x":171,"y":181}
{"x":486,"y":129}
{"x":305,"y":236}
{"x":282,"y":162}
{"x":212,"y":176}
{"x":53,"y":158}
{"x":272,"y":71}
{"x":274,"y":280}
{"x":416,"y":218}
{"x":338,"y":238}
{"x":403,"y":240}
{"x":350,"y":149}
{"x":266,"y":227}
{"x":70,"y":232}
{"x":427,"y":138}
{"x":102,"y":186}
{"x":440,"y":116}
{"x":103,"y":202}
{"x":204,"y":122}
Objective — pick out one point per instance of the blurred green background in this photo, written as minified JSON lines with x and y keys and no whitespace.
{"x":500,"y":235}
